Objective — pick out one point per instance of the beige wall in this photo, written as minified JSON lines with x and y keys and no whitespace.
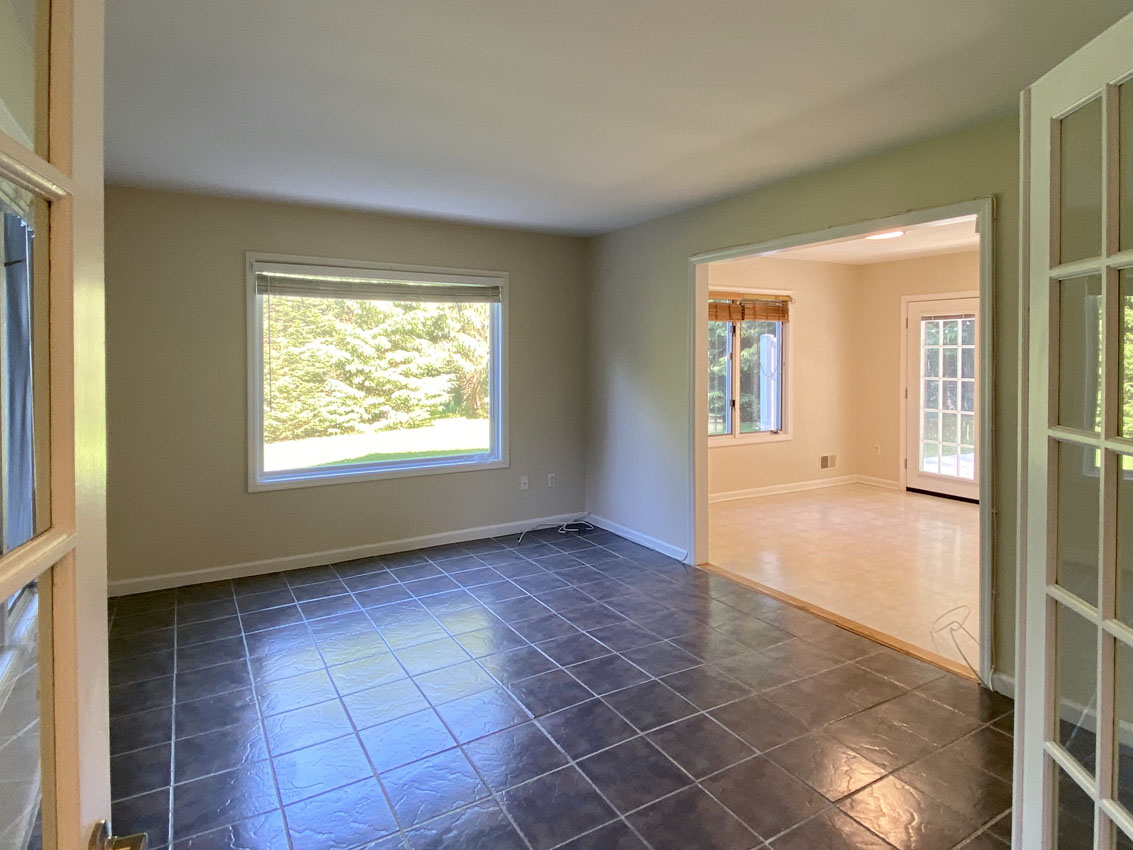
{"x":844,"y":375}
{"x":17,"y":69}
{"x":178,"y":499}
{"x":638,"y":471}
{"x":877,"y":395}
{"x":820,"y":376}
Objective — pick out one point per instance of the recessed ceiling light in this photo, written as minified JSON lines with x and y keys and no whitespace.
{"x":891,"y":234}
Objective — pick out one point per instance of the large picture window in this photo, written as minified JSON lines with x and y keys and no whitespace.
{"x":747,"y":336}
{"x":362,"y":372}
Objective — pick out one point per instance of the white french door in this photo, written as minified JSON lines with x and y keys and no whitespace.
{"x":1076,"y":743}
{"x":942,"y":396}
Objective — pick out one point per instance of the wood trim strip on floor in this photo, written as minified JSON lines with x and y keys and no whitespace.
{"x":896,"y":643}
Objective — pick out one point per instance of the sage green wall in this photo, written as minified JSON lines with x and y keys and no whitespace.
{"x":638,"y":454}
{"x":176,"y":381}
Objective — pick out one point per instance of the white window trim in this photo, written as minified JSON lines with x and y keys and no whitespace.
{"x":496,"y":458}
{"x":719,"y":441}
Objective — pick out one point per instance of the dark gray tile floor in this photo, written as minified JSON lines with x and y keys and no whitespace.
{"x":572,"y":691}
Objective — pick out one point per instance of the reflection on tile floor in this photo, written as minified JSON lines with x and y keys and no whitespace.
{"x":573,"y":691}
{"x":887,"y":559}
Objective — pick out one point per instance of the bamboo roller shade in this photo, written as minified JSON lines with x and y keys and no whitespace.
{"x":746,"y":307}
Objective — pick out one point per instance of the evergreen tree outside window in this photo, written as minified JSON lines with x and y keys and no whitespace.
{"x":747,"y":359}
{"x":365,"y":372}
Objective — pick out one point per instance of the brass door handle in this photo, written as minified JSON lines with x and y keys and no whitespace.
{"x":101,"y":839}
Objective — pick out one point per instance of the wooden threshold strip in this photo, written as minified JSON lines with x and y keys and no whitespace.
{"x":911,"y":649}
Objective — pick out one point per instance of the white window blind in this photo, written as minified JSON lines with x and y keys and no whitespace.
{"x":358,"y":284}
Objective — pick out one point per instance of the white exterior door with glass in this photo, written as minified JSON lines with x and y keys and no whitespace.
{"x":942,"y":396}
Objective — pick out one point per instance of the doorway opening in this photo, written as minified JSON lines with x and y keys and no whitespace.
{"x":841,"y":452}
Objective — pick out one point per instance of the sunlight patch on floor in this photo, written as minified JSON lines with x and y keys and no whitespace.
{"x":902,"y":563}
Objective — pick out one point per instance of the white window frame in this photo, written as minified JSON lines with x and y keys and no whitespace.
{"x":495,"y":458}
{"x":786,"y":411}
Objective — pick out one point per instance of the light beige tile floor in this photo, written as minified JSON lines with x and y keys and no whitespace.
{"x":904,"y":564}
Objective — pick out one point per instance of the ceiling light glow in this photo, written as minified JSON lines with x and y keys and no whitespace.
{"x":891,"y":234}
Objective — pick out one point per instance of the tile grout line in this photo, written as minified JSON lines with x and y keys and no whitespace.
{"x":433,"y":708}
{"x":260,"y":717}
{"x":173,"y":717}
{"x":433,"y":614}
{"x":531,"y":719}
{"x":571,"y":762}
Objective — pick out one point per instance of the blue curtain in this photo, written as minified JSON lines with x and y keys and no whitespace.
{"x":16,"y":385}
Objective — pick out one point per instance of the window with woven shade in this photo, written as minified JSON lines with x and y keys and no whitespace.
{"x":747,"y":334}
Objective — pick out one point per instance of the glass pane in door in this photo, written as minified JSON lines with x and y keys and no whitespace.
{"x":24,"y":405}
{"x":1124,"y":706}
{"x":1079,"y":347}
{"x":1126,"y":164}
{"x":948,"y":396}
{"x":1080,"y":180}
{"x":23,"y":78}
{"x":1076,"y":545}
{"x":1125,"y":550}
{"x":1076,"y":701}
{"x":1074,"y":816}
{"x":719,"y":378}
{"x":1125,"y":291}
{"x":21,"y":724}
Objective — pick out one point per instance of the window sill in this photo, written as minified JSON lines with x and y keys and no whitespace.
{"x":748,"y":439}
{"x":293,"y":479}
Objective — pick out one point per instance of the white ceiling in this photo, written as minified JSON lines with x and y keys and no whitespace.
{"x":923,"y":240}
{"x":579,"y":116}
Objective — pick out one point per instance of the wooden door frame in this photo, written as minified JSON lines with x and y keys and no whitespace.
{"x":68,"y":174}
{"x":903,"y":397}
{"x":984,"y":211}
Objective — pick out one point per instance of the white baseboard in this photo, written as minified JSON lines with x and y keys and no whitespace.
{"x":878,"y":482}
{"x":123,"y":587}
{"x":1085,"y":716}
{"x":638,"y":537}
{"x":1004,"y":684}
{"x":799,"y":486}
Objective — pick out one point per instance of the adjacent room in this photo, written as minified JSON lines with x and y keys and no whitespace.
{"x":843,"y":432}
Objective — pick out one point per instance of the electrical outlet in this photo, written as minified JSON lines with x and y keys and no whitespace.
{"x":524,"y":483}
{"x":550,"y":479}
{"x":877,"y":448}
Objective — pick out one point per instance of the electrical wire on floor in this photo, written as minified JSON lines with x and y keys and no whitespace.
{"x":951,"y":624}
{"x":573,"y":526}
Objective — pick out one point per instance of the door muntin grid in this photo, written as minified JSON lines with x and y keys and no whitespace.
{"x":947,"y":414}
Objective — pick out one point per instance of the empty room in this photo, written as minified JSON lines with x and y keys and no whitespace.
{"x":590,"y":426}
{"x":844,"y":432}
